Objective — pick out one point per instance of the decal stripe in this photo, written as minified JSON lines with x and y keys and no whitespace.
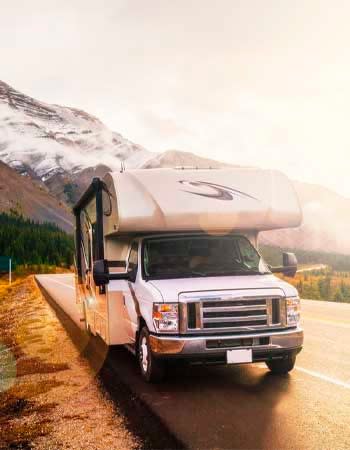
{"x":221,"y":192}
{"x":134,"y":297}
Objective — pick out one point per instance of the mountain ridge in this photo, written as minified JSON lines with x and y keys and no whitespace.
{"x":46,"y":139}
{"x":62,"y":148}
{"x":25,"y":196}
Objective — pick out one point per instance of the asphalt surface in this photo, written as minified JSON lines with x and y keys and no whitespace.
{"x":245,"y":407}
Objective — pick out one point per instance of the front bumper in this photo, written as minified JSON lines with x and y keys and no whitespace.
{"x":264,"y":344}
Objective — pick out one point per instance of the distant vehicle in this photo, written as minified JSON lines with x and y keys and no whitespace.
{"x":167,"y":264}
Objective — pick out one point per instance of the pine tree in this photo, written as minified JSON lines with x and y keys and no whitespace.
{"x":28,"y":242}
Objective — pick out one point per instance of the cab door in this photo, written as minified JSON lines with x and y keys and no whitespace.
{"x":131,"y":305}
{"x":122,"y":314}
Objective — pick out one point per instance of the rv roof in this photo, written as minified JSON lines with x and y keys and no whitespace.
{"x":222,"y":200}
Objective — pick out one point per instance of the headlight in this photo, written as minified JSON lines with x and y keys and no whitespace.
{"x":166,"y":316}
{"x":293,"y":310}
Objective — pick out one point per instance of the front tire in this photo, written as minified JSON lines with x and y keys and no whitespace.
{"x":152,"y":369}
{"x":281,"y":366}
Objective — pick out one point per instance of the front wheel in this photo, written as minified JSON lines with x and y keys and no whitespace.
{"x":152,"y":369}
{"x":281,"y":366}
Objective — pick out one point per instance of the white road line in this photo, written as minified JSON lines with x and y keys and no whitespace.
{"x":324,"y":377}
{"x":326,"y":321}
{"x":314,"y":374}
{"x":58,"y":282}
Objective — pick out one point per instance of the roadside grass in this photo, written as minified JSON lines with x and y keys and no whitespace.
{"x":49,"y":397}
{"x":23,"y":271}
{"x":6,"y":288}
{"x":32,"y":269}
{"x":17,"y":394}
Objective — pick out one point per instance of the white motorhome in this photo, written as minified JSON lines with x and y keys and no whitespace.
{"x":168,"y":265}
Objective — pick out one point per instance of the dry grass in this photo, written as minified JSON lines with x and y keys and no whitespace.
{"x":49,"y":397}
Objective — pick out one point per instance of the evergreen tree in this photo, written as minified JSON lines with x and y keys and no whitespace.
{"x":28,"y":242}
{"x":338,"y":296}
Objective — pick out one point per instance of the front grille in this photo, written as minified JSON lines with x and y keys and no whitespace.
{"x":230,"y":343}
{"x":234,"y":313}
{"x":253,"y":312}
{"x":275,"y":310}
{"x":228,"y":303}
{"x":241,"y":314}
{"x":191,"y":314}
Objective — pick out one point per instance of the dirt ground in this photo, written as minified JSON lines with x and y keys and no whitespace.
{"x":49,"y":395}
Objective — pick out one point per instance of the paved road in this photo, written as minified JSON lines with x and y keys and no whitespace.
{"x":245,"y":407}
{"x":61,"y":288}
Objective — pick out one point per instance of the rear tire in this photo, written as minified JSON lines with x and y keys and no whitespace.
{"x":281,"y":366}
{"x":152,"y":369}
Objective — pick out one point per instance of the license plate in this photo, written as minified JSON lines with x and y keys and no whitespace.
{"x":244,"y":355}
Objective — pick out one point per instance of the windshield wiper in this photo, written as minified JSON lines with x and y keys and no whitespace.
{"x":194,"y":273}
{"x":237,"y":272}
{"x":201,"y":274}
{"x":188,"y":274}
{"x":250,"y":272}
{"x":191,"y":273}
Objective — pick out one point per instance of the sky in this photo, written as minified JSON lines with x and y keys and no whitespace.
{"x":252,"y":82}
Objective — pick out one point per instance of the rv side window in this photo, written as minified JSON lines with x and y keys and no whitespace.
{"x":86,"y":244}
{"x":88,"y":232}
{"x":107,"y":202}
{"x":94,"y":242}
{"x":133,"y":256}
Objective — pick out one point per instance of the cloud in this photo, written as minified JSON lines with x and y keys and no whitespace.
{"x":165,"y":127}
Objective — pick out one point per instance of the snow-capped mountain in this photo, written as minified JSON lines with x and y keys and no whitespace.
{"x":63,"y":148}
{"x":43,"y":140}
{"x":176,"y":158}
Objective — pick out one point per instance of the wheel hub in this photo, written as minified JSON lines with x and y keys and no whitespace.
{"x":144,"y":354}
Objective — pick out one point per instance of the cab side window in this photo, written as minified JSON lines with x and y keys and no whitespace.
{"x":133,"y":256}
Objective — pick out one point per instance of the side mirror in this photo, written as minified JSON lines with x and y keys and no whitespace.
{"x":290,"y":265}
{"x":100,"y":272}
{"x":101,"y":275}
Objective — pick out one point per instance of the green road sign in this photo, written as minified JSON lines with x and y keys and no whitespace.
{"x":6,"y":266}
{"x":4,"y":263}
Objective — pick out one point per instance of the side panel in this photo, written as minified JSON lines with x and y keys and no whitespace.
{"x":91,"y":299}
{"x":118,"y":291}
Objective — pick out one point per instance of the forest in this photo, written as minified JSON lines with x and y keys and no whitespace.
{"x":38,"y":246}
{"x":324,"y":284}
{"x":30,"y":243}
{"x":338,"y":262}
{"x":331,"y":283}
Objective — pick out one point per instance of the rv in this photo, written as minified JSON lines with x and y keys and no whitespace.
{"x":167,"y":264}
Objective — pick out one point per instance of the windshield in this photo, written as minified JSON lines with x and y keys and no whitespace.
{"x":194,"y":256}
